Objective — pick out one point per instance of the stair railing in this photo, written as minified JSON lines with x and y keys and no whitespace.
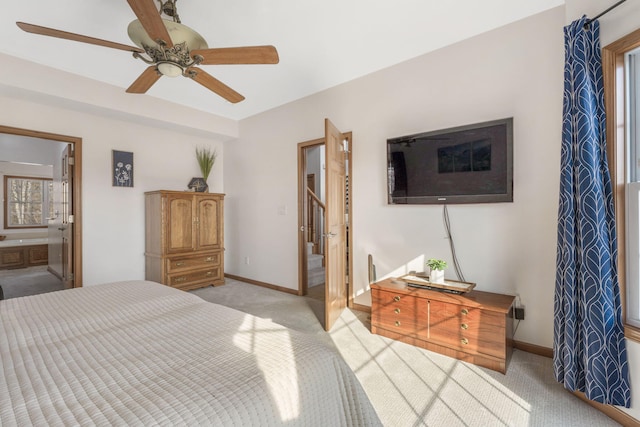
{"x":315,"y":222}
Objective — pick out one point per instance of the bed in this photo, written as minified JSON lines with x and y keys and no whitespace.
{"x":141,"y":353}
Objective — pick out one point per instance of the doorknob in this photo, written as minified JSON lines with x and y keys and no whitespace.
{"x":62,"y":228}
{"x":329,"y":235}
{"x":302,"y":228}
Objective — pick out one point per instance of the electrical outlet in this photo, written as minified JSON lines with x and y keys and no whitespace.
{"x":519,"y":313}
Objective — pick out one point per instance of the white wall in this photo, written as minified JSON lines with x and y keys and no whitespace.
{"x":613,"y":25}
{"x":515,"y":71}
{"x":16,"y":148}
{"x":315,"y":166}
{"x":113,"y":217}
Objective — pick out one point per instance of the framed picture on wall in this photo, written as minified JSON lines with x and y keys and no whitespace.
{"x":122,"y":167}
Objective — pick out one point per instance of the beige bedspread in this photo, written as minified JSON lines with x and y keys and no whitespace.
{"x":140,"y":353}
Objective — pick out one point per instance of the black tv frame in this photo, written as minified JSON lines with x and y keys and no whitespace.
{"x":442,"y":199}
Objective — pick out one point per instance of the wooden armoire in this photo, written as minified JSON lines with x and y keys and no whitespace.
{"x":184,"y":243}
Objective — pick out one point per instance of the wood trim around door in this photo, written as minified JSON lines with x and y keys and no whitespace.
{"x":77,"y":189}
{"x":302,"y":189}
{"x":302,"y":194}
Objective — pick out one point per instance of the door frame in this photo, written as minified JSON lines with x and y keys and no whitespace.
{"x":302,"y":215}
{"x":76,"y":191}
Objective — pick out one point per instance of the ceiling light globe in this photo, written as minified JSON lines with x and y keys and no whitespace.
{"x":169,"y":69}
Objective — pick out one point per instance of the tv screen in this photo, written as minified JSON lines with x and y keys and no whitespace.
{"x":466,"y":164}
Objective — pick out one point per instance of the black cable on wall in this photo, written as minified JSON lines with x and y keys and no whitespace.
{"x":447,"y":227}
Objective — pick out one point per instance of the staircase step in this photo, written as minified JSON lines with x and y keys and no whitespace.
{"x":314,"y":261}
{"x":315,"y":276}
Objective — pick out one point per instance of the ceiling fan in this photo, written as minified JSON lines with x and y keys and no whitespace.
{"x":171,"y":49}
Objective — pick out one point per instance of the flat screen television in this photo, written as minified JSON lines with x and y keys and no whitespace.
{"x":465,"y":164}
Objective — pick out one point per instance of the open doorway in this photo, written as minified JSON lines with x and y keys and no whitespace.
{"x":41,"y":212}
{"x":314,"y":198}
{"x":324,"y":263}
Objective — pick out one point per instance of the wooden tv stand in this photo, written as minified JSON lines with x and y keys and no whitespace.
{"x":476,"y":327}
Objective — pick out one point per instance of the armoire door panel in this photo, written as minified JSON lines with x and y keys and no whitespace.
{"x":208,"y":237}
{"x":180,"y":224}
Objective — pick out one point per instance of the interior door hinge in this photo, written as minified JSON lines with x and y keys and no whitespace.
{"x":71,"y":161}
{"x":345,"y":145}
{"x":70,"y":219}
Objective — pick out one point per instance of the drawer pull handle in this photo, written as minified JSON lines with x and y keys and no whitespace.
{"x":396,"y":298}
{"x":464,"y":311}
{"x":396,"y":311}
{"x":208,"y":259}
{"x":180,"y":279}
{"x":397,"y":323}
{"x":464,"y":326}
{"x":464,"y":341}
{"x":179,"y":263}
{"x":209,"y":273}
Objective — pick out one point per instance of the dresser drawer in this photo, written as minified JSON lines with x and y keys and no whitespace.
{"x":183,"y":263}
{"x":475,"y":326}
{"x":186,"y":280}
{"x":403,"y":314}
{"x":468,"y":329}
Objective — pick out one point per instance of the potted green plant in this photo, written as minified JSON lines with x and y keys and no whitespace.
{"x":436,"y":270}
{"x":206,"y":159}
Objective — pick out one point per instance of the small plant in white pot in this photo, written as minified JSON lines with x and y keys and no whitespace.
{"x":436,"y":270}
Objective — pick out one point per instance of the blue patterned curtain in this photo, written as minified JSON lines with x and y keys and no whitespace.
{"x":589,"y":345}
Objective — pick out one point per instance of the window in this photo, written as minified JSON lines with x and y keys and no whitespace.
{"x":632,"y":184}
{"x":621,"y":62}
{"x":28,"y":202}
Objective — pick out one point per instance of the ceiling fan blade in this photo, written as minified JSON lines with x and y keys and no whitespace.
{"x":238,"y":55}
{"x":145,"y":81}
{"x":150,"y":19}
{"x":215,"y":85}
{"x":44,"y":31}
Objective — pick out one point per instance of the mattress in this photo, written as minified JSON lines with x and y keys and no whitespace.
{"x":140,"y":353}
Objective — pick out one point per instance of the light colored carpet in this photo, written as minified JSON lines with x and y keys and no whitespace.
{"x":409,"y":386}
{"x":23,"y":282}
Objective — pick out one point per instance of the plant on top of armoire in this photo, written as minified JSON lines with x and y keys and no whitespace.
{"x":206,"y":159}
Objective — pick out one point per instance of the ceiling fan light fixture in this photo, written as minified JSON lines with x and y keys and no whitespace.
{"x":169,"y":69}
{"x":170,"y":48}
{"x":172,"y":59}
{"x":179,"y":34}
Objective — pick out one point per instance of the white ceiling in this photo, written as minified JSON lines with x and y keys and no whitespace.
{"x":321,"y":43}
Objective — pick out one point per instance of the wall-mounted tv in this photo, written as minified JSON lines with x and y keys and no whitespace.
{"x":465,"y":164}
